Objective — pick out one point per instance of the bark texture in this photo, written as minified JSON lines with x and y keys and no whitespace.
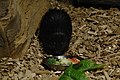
{"x":19,"y":20}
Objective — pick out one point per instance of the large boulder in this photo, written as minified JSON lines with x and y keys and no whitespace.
{"x":19,"y":20}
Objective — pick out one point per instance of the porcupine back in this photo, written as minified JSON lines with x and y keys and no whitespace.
{"x":55,"y":32}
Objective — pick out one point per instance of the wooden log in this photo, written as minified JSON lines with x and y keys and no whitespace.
{"x":104,"y":4}
{"x":19,"y":20}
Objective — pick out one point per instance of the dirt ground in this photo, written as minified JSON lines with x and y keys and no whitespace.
{"x":96,"y":36}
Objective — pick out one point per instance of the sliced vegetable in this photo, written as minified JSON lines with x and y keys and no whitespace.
{"x":65,"y":61}
{"x":74,"y":60}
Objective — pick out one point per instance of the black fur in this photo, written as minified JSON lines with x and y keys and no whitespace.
{"x":103,"y":4}
{"x":55,"y":32}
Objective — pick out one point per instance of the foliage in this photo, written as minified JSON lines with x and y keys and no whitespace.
{"x":77,"y":72}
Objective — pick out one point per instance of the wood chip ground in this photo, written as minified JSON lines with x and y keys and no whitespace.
{"x":96,"y":36}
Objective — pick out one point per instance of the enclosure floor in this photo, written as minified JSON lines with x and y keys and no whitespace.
{"x":96,"y":36}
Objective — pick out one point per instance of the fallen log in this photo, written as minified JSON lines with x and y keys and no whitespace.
{"x":104,"y":4}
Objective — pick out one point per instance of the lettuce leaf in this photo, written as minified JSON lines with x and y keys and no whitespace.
{"x":77,"y":72}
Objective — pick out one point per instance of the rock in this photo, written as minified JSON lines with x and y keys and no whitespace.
{"x":19,"y":21}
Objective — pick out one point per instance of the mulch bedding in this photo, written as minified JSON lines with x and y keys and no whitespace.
{"x":96,"y":36}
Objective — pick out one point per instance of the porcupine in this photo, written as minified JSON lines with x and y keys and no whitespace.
{"x":55,"y":32}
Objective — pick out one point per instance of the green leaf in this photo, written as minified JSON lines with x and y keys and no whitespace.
{"x":87,"y":65}
{"x":73,"y":74}
{"x":65,"y":77}
{"x":51,"y":61}
{"x":78,"y":72}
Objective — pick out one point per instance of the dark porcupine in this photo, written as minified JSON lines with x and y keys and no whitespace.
{"x":55,"y":32}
